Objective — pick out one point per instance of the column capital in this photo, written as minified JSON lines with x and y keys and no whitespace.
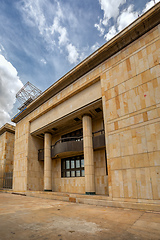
{"x":48,"y":132}
{"x":87,"y":114}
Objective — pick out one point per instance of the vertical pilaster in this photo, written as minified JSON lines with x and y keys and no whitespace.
{"x":47,"y":162}
{"x":88,"y":155}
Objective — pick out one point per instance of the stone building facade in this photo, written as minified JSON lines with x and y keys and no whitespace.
{"x":7,"y":134}
{"x":97,"y":129}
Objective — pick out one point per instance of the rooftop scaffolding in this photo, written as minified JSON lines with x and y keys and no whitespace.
{"x":27,"y":94}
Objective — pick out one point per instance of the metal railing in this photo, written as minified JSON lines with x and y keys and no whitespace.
{"x":96,"y":140}
{"x":99,"y":131}
{"x":68,"y":139}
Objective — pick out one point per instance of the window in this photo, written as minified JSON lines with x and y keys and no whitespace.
{"x":72,"y":166}
{"x":77,"y":133}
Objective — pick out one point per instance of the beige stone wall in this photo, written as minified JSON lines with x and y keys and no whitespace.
{"x":101,"y":179}
{"x":35,"y":176}
{"x":21,"y":155}
{"x":6,"y":154}
{"x":131,"y":104}
{"x":28,"y":171}
{"x":2,"y":157}
{"x":130,"y":83}
{"x":10,"y":138}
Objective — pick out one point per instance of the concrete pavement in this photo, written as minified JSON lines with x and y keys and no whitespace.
{"x":23,"y":217}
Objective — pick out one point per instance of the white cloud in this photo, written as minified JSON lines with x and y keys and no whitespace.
{"x":72,"y":53}
{"x":95,"y":47}
{"x":126,"y":17}
{"x":121,"y":19}
{"x":111,"y":33}
{"x":100,"y":27}
{"x":111,"y":9}
{"x":63,"y":39}
{"x":149,"y":5}
{"x":50,"y":23}
{"x":33,"y":15}
{"x":43,"y":61}
{"x":1,"y":48}
{"x":9,"y":86}
{"x":57,"y":28}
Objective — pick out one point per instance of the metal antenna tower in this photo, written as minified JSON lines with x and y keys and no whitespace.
{"x":27,"y":94}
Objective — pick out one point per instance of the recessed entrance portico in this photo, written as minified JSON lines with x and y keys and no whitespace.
{"x":63,"y":147}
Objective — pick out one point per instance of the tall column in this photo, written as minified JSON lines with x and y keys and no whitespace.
{"x":88,"y":155}
{"x":47,"y":162}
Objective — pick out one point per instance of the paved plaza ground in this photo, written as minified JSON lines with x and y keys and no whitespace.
{"x":23,"y":217}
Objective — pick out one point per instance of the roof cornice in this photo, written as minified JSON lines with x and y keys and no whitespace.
{"x":139,"y":27}
{"x":7,"y":128}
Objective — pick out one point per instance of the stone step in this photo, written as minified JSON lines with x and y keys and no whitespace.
{"x":98,"y":200}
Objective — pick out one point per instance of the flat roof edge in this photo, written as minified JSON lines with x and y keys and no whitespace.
{"x":7,"y":128}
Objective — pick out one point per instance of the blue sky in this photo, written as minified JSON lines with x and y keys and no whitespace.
{"x":41,"y":40}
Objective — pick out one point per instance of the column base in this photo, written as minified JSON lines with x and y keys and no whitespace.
{"x":90,"y":193}
{"x":46,"y":190}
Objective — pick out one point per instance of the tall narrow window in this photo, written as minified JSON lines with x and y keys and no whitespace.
{"x":106,"y":163}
